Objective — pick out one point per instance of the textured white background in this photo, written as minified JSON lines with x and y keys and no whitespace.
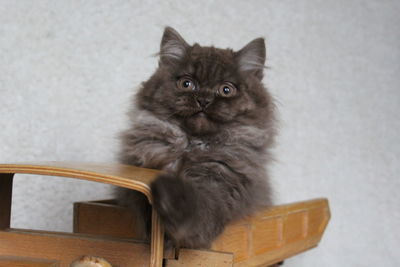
{"x":68,"y":68}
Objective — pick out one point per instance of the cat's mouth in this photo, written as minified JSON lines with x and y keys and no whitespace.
{"x":200,"y":122}
{"x":201,"y":114}
{"x":206,"y":116}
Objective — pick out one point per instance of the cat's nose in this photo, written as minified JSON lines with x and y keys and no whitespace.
{"x":204,"y":101}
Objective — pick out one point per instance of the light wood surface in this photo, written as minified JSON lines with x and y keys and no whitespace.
{"x":104,"y":218}
{"x":13,"y":261}
{"x":268,"y":237}
{"x":68,"y":247}
{"x":201,"y":258}
{"x":260,"y":240}
{"x":275,"y":234}
{"x":135,"y":178}
{"x":157,"y":240}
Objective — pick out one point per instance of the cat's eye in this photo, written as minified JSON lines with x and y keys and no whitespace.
{"x":227,"y":90}
{"x":185,"y":83}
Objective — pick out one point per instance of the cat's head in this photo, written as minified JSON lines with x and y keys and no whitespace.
{"x":205,"y":88}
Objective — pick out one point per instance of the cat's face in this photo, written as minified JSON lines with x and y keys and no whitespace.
{"x":205,"y":87}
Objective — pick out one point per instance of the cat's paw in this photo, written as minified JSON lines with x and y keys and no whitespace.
{"x":175,"y":201}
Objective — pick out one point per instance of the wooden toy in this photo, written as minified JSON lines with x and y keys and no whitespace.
{"x":104,"y":233}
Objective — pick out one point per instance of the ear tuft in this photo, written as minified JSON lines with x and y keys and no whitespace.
{"x":251,"y":58}
{"x":173,"y":47}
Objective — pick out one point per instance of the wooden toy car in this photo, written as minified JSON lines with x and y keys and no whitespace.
{"x":106,"y":231}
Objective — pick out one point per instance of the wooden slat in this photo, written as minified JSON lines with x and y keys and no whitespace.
{"x":275,"y":233}
{"x":296,"y":226}
{"x":157,"y":240}
{"x":201,"y":258}
{"x":68,"y":247}
{"x":271,"y":235}
{"x":135,"y":178}
{"x":6,"y":181}
{"x":266,"y":235}
{"x":265,"y":238}
{"x":289,"y":208}
{"x":12,"y":261}
{"x":279,"y":255}
{"x":236,"y":240}
{"x":100,"y":218}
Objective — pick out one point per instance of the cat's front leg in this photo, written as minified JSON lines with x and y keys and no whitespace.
{"x":196,"y":205}
{"x":176,"y":202}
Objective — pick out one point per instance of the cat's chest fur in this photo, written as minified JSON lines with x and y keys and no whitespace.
{"x":162,"y":144}
{"x":166,"y":136}
{"x":198,"y":144}
{"x":193,"y":146}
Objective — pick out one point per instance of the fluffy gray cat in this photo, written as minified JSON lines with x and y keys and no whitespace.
{"x":205,"y":119}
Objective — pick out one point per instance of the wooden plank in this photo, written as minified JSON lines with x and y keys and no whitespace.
{"x":317,"y":220}
{"x":278,"y":255}
{"x":201,"y":258}
{"x":104,"y":219}
{"x":275,"y":233}
{"x":6,"y":182}
{"x":68,"y":247}
{"x":296,"y":226}
{"x":266,"y":235}
{"x":135,"y":178}
{"x":12,"y":261}
{"x":288,"y":208}
{"x":302,"y":224}
{"x":157,"y":240}
{"x":236,"y":240}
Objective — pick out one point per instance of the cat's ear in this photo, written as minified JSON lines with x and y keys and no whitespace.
{"x":173,"y":47}
{"x":251,"y":58}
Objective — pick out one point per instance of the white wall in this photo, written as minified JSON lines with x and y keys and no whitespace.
{"x":67,"y":69}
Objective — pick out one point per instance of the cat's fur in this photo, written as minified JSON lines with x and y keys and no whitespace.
{"x":214,"y":161}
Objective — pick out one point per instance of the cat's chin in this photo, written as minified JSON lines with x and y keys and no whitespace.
{"x":200,"y":123}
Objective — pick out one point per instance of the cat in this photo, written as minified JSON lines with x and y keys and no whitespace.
{"x":205,"y":119}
